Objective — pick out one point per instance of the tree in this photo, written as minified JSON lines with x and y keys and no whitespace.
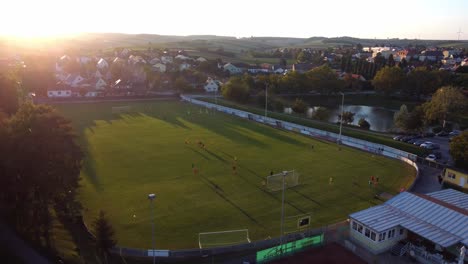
{"x":446,"y":101}
{"x":321,"y":113}
{"x":400,"y":118}
{"x":421,"y":82}
{"x":348,"y":117}
{"x":299,"y":106}
{"x":459,"y":150}
{"x":391,"y":61}
{"x":324,"y":80}
{"x":389,"y":80}
{"x":45,"y":140}
{"x":8,"y":95}
{"x":104,"y":233}
{"x":182,"y":85}
{"x":236,"y":89}
{"x":364,"y":124}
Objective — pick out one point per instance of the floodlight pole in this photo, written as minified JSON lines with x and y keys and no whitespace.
{"x":341,"y":117}
{"x":151,"y":197}
{"x":282,"y":210}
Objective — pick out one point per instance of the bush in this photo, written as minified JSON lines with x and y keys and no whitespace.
{"x":437,"y":129}
{"x":278,"y":106}
{"x":321,"y":113}
{"x":299,"y":106}
{"x":364,"y":124}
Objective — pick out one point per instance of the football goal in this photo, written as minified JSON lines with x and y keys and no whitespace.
{"x":223,"y":238}
{"x":121,"y":109}
{"x":275,"y":182}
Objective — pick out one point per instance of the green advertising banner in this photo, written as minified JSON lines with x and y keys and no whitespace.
{"x":288,"y":248}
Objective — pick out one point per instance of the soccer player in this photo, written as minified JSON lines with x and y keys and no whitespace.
{"x":330,"y":181}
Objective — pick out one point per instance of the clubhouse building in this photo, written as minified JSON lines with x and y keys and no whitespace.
{"x":431,"y":227}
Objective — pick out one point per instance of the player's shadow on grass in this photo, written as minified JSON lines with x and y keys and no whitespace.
{"x":199,"y":153}
{"x":166,"y":117}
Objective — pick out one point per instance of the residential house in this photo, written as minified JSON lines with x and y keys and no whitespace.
{"x":84,"y":60}
{"x":182,"y":57}
{"x":74,"y":80}
{"x":452,"y":52}
{"x":132,"y":60}
{"x":232,"y":69}
{"x":464,"y":62}
{"x":102,"y":64}
{"x":431,"y":55}
{"x":159,"y":67}
{"x":256,"y":69}
{"x":302,"y":67}
{"x":201,"y":59}
{"x":437,"y":220}
{"x":279,"y":69}
{"x":98,"y":84}
{"x":212,"y":85}
{"x":455,"y":177}
{"x":98,"y":74}
{"x":184,"y":66}
{"x":154,"y":61}
{"x":167,"y":59}
{"x":59,"y":93}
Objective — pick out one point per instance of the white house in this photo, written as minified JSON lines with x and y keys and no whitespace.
{"x":182,"y":57}
{"x":74,"y":80}
{"x":102,"y":64}
{"x":439,"y":218}
{"x":212,"y":85}
{"x":201,"y":59}
{"x":83,"y":60}
{"x":232,"y":69}
{"x":154,"y":61}
{"x":98,"y":74}
{"x":99,"y":84}
{"x":59,"y":93}
{"x":184,"y":66}
{"x":167,"y":59}
{"x":159,"y":67}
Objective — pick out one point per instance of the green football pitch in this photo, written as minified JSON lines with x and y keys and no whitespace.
{"x":154,"y":148}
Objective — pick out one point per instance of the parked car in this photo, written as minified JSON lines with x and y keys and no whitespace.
{"x":425,"y":144}
{"x":438,"y":154}
{"x":454,"y":133}
{"x":419,"y":142}
{"x":442,"y":134}
{"x":406,"y":138}
{"x":431,"y":157}
{"x":428,"y":134}
{"x":398,"y":137}
{"x":411,"y":141}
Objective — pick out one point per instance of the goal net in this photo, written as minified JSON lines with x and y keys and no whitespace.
{"x":275,"y":182}
{"x":223,"y":238}
{"x":121,"y":109}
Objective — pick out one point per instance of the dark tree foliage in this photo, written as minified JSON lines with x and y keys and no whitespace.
{"x":40,"y":170}
{"x":363,"y":123}
{"x":459,"y":150}
{"x":8,"y":95}
{"x":104,"y":233}
{"x":299,"y":106}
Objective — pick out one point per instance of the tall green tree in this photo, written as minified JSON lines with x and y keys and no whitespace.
{"x":459,"y":150}
{"x":444,"y":103}
{"x":41,"y":170}
{"x":8,"y":94}
{"x":391,"y":61}
{"x":400,"y":118}
{"x":421,"y":82}
{"x":324,"y":79}
{"x":299,"y":106}
{"x":236,"y":89}
{"x":348,"y":117}
{"x":389,"y":80}
{"x":104,"y":233}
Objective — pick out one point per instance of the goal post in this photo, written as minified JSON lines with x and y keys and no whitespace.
{"x":275,"y":182}
{"x":223,"y":238}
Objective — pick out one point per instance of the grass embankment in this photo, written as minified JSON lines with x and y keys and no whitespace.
{"x":376,"y":137}
{"x":152,"y":150}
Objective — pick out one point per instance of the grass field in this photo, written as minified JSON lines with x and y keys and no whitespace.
{"x":134,"y":154}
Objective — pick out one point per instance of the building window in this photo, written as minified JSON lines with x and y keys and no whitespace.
{"x":372,"y":236}
{"x":354,"y":225}
{"x":401,"y":231}
{"x":359,"y":229}
{"x":382,"y":236}
{"x":367,"y":233}
{"x":391,"y":233}
{"x":452,"y":176}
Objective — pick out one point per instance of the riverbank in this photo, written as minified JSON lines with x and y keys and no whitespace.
{"x":375,"y":137}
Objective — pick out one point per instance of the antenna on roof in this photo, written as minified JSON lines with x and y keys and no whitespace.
{"x":459,"y":33}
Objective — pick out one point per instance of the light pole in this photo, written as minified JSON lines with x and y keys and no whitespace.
{"x":341,"y":118}
{"x":282,"y":211}
{"x":151,"y":197}
{"x":266,"y":100}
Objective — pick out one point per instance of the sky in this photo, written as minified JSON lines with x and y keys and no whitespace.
{"x":422,"y":19}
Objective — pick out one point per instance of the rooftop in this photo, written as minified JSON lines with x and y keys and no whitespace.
{"x":441,"y":217}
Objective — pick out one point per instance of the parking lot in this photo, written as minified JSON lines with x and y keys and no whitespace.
{"x":444,"y":147}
